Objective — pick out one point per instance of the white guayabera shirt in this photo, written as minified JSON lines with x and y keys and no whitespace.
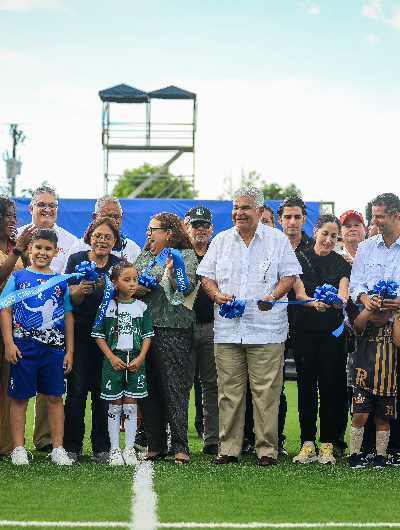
{"x":250,"y":273}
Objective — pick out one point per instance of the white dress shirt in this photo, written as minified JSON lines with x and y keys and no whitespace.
{"x":250,"y":273}
{"x":65,"y":241}
{"x":373,"y":262}
{"x":130,"y":252}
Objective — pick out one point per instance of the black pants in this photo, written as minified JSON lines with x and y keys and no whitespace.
{"x":321,"y":366}
{"x":166,"y":375}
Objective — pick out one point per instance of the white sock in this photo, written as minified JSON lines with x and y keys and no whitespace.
{"x":130,"y":411}
{"x":382,"y":440}
{"x":114,"y":421}
{"x":356,"y":438}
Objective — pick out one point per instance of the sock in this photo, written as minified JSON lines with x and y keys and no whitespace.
{"x":114,"y":420}
{"x":356,"y":438}
{"x":382,"y":440}
{"x":130,"y":411}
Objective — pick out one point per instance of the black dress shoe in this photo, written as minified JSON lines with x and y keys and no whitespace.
{"x":267,"y":461}
{"x":211,"y":449}
{"x":225,"y":459}
{"x":247,"y":448}
{"x":281,"y":448}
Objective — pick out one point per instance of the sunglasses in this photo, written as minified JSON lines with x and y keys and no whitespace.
{"x":198,"y":224}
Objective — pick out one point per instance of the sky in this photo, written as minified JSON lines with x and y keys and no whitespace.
{"x":300,"y":92}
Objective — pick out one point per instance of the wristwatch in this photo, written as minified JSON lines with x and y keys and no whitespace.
{"x":17,"y":251}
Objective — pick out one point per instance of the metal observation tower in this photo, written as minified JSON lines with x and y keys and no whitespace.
{"x":144,"y":135}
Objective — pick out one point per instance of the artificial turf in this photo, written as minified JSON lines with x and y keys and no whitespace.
{"x":200,"y":492}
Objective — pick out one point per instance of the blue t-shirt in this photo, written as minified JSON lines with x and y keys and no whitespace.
{"x":40,"y":317}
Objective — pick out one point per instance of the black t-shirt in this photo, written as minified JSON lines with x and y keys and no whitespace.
{"x":305,"y":242}
{"x":85,"y":313}
{"x":318,"y":270}
{"x":203,"y":305}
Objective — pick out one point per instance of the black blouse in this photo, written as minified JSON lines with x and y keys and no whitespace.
{"x":318,"y":270}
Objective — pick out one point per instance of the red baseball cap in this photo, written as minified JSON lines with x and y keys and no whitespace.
{"x":351,"y":213}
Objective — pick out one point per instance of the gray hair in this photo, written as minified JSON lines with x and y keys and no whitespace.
{"x":271,"y":212}
{"x":104,"y":200}
{"x":251,"y":192}
{"x":43,"y":189}
{"x":390,"y":201}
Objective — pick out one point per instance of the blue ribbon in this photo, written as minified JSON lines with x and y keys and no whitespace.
{"x":148,"y":281}
{"x":23,"y":294}
{"x":325,"y":293}
{"x":179,"y":269}
{"x":386,"y":289}
{"x":124,"y":241}
{"x":86,"y":269}
{"x":232,"y":309}
{"x":83,"y":270}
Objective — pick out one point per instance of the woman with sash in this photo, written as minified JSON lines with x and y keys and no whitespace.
{"x":171,"y":311}
{"x":86,"y":296}
{"x":14,"y":256}
{"x":320,"y":356}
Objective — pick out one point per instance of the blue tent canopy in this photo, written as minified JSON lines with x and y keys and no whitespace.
{"x":123,"y":94}
{"x":172,"y":92}
{"x":75,"y":214}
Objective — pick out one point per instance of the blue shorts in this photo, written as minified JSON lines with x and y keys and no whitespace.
{"x":39,"y":370}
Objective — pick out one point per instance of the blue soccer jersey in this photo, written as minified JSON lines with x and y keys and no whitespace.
{"x":39,"y":317}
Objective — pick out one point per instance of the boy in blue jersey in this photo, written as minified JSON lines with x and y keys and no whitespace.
{"x":38,"y":335}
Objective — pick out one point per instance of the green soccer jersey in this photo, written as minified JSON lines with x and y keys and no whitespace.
{"x":134,"y":325}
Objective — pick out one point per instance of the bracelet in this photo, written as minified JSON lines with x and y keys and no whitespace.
{"x":273,"y":297}
{"x":215,"y":295}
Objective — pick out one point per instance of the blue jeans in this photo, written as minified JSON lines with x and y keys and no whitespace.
{"x":85,"y":377}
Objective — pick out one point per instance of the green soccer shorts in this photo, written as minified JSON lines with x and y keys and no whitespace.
{"x":118,"y":383}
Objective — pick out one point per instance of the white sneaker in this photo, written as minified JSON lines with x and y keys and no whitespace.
{"x":60,"y":457}
{"x":116,"y":458}
{"x":19,"y":456}
{"x":129,"y":456}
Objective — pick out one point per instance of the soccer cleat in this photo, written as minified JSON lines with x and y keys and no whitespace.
{"x":115,"y":457}
{"x":325,"y":454}
{"x":380,"y":461}
{"x":129,"y":456}
{"x":101,"y":457}
{"x":355,"y":461}
{"x":393,"y":459}
{"x":307,"y":454}
{"x":19,"y":456}
{"x":60,"y":457}
{"x":368,"y":458}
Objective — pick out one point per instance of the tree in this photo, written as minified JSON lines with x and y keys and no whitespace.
{"x":161,"y":187}
{"x":270,"y":191}
{"x":274,"y":191}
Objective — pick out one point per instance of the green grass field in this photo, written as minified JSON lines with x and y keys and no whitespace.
{"x":201,"y":493}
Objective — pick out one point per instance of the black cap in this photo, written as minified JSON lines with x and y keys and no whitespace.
{"x":200,"y":213}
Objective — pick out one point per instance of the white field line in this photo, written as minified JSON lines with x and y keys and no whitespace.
{"x":144,"y":501}
{"x":109,"y":524}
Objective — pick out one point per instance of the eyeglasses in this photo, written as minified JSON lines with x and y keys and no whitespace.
{"x":43,"y":205}
{"x":10,"y":216}
{"x":197,"y":224}
{"x":265,"y":221}
{"x":150,"y":230}
{"x":116,"y":217}
{"x":99,"y":237}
